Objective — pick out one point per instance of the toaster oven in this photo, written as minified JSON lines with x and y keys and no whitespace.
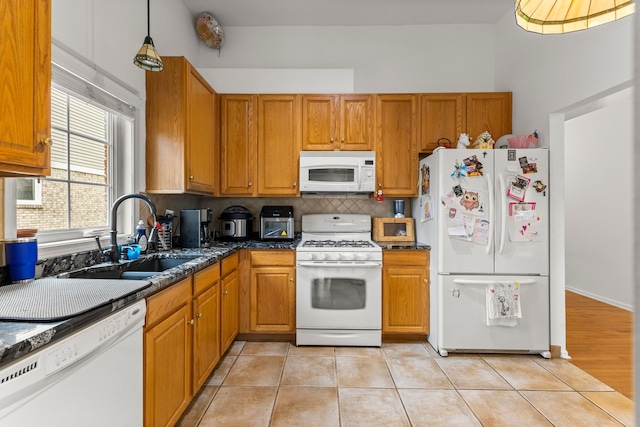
{"x":276,"y":223}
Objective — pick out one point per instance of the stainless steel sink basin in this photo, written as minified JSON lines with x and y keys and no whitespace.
{"x":136,"y":270}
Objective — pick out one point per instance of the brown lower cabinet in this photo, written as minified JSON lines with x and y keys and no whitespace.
{"x":405,"y":291}
{"x":273,"y":291}
{"x":181,"y":344}
{"x":230,"y":300}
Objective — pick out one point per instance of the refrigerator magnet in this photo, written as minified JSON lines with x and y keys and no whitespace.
{"x":460,"y":171}
{"x":539,"y":186}
{"x":518,"y":188}
{"x":474,"y":167}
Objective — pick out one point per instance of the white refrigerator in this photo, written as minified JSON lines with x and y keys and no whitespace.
{"x":485,"y":214}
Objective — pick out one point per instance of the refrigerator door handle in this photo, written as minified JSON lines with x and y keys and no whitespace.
{"x":503,"y":216}
{"x":491,"y":203}
{"x":484,"y":282}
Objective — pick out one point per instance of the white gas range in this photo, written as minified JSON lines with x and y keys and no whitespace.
{"x":339,"y":282}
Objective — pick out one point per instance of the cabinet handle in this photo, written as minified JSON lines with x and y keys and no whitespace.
{"x":225,"y":292}
{"x":191,"y":177}
{"x":191,"y":322}
{"x":199,"y":315}
{"x":47,"y":142}
{"x":295,"y":184}
{"x":425,"y":281}
{"x":250,"y":184}
{"x":342,"y":139}
{"x":291,"y":279}
{"x":331,"y":140}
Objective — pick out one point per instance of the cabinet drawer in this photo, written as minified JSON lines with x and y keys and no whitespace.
{"x":229,"y":264}
{"x":169,"y":300}
{"x":398,"y":257}
{"x":205,"y":278}
{"x":270,"y":258}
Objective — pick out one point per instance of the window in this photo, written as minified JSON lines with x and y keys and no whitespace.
{"x":77,"y":193}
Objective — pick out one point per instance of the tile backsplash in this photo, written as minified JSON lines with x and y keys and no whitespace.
{"x":309,"y":204}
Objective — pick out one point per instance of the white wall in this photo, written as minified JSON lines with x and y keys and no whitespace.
{"x":395,"y":59}
{"x":599,"y":201}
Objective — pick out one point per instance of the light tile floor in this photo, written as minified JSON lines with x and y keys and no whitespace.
{"x":406,"y":384}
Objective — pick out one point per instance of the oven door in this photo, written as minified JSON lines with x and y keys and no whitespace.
{"x":331,"y":295}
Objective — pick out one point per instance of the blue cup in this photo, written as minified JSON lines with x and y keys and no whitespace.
{"x":21,"y":255}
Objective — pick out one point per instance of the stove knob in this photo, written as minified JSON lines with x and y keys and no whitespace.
{"x":320,"y":256}
{"x":347,"y":256}
{"x":360,"y":256}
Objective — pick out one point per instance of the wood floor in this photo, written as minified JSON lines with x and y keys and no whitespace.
{"x":600,"y":341}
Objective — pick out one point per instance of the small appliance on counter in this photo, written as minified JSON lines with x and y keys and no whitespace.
{"x":276,"y":223}
{"x":236,"y":224}
{"x":194,"y":228}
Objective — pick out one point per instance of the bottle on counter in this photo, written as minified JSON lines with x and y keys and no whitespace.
{"x":141,"y":235}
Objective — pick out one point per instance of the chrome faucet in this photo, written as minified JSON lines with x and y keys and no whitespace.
{"x":113,"y":252}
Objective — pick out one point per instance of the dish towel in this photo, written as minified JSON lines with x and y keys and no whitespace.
{"x":503,"y":304}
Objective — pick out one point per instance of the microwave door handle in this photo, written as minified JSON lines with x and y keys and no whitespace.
{"x":359,"y":177}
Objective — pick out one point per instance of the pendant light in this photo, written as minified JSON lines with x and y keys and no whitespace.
{"x":147,"y":57}
{"x":557,"y":17}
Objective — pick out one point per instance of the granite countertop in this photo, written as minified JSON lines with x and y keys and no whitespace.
{"x":17,"y":339}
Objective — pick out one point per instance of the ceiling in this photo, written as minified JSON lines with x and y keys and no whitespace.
{"x":350,"y":12}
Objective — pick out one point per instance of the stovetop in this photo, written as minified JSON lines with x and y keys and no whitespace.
{"x":337,"y":244}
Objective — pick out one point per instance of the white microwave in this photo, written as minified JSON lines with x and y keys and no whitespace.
{"x":337,"y":171}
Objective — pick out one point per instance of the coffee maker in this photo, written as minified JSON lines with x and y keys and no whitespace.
{"x":194,"y":228}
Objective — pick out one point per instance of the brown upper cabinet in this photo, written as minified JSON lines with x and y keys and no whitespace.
{"x":182,"y":130}
{"x":25,"y":66}
{"x":396,"y":139}
{"x":279,"y":143}
{"x":238,"y":145}
{"x":444,"y":116}
{"x":260,"y":145}
{"x":337,"y":122}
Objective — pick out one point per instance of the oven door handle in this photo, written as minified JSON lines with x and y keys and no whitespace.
{"x":339,"y":264}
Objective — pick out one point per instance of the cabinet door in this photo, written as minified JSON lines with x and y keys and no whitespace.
{"x":201,"y":135}
{"x":356,"y":122}
{"x":319,"y":122}
{"x":273,"y":299}
{"x":206,"y":338}
{"x":229,"y":308}
{"x":279,"y":141}
{"x":396,"y":151}
{"x":238,"y":141}
{"x":441,"y":116}
{"x":167,"y":369}
{"x":489,"y":112}
{"x":405,"y":300}
{"x":25,"y":83}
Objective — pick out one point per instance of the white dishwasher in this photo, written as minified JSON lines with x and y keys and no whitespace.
{"x":91,"y":378}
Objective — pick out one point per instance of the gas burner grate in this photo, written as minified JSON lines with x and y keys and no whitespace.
{"x":337,"y":244}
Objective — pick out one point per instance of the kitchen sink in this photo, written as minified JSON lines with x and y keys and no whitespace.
{"x":135,"y":270}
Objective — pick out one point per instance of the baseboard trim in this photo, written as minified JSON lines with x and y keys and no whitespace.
{"x":628,"y":307}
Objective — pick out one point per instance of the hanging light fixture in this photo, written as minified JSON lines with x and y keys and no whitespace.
{"x":147,"y":57}
{"x":556,"y":17}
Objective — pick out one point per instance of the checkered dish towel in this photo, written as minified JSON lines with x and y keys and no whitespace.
{"x":503,"y":304}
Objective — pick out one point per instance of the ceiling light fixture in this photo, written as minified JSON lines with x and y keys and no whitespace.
{"x":557,"y":17}
{"x":147,"y":57}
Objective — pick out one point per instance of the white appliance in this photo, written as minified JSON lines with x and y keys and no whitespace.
{"x":338,"y":282}
{"x":337,"y":171}
{"x":91,"y":378}
{"x":485,"y":214}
